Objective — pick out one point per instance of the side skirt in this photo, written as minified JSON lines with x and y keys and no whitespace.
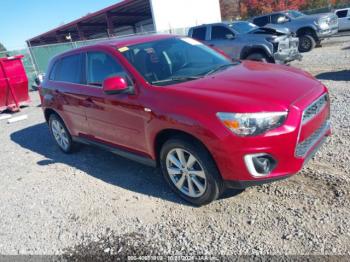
{"x":121,"y":152}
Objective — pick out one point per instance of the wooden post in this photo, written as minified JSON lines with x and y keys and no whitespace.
{"x":110,"y":25}
{"x":80,"y":32}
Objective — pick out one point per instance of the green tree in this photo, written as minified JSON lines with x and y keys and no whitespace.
{"x":2,"y":48}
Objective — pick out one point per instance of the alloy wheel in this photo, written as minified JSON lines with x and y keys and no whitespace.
{"x":305,"y":43}
{"x":60,"y":134}
{"x":186,"y":172}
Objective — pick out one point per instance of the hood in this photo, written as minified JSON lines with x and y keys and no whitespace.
{"x":276,"y":29}
{"x":316,"y":17}
{"x":262,"y":87}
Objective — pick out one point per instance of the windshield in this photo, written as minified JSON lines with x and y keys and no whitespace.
{"x":243,"y":27}
{"x":172,"y":60}
{"x":295,"y":14}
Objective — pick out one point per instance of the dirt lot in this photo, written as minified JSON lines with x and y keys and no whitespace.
{"x":96,"y":202}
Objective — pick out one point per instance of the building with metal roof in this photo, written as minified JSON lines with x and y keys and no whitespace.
{"x":131,"y":17}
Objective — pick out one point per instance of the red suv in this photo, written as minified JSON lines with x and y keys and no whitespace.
{"x":169,"y":101}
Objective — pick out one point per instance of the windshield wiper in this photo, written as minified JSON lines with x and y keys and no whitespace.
{"x":176,"y":79}
{"x":221,"y":67}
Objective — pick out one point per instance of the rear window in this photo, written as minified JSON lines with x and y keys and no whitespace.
{"x":262,"y":21}
{"x":199,"y":33}
{"x":68,"y":69}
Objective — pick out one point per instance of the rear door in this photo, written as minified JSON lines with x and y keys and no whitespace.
{"x":67,"y":84}
{"x":344,"y":19}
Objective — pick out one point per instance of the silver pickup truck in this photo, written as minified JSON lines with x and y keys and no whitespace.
{"x":244,"y":40}
{"x":311,"y":29}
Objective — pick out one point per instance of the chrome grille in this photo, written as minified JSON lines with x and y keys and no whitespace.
{"x":304,"y":147}
{"x":333,"y":21}
{"x":315,"y":108}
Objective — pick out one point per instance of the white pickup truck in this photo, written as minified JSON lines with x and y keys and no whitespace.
{"x":343,"y":18}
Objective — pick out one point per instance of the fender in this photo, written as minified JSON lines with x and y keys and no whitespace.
{"x":312,"y":29}
{"x":248,"y":49}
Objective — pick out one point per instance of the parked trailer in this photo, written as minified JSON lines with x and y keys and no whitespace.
{"x":13,"y":84}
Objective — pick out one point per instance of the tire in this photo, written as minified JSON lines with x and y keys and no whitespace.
{"x":306,"y":43}
{"x":203,"y":175}
{"x":259,"y":57}
{"x":61,"y":134}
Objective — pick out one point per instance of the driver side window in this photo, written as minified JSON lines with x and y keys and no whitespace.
{"x":279,"y":19}
{"x":101,"y":66}
{"x":221,"y":33}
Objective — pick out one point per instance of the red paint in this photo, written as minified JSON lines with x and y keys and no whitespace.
{"x":191,"y":107}
{"x":114,"y":85}
{"x":13,"y":84}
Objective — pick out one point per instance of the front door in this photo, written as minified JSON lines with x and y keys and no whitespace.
{"x":116,"y":119}
{"x":224,"y":39}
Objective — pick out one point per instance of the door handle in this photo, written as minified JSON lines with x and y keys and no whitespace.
{"x":212,"y":45}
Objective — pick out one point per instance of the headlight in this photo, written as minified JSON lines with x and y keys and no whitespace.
{"x":271,"y":39}
{"x":252,"y":124}
{"x":323,"y":23}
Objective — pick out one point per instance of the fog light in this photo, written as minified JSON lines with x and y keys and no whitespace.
{"x":260,"y":165}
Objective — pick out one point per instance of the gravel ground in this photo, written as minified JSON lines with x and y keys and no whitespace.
{"x":93,"y":202}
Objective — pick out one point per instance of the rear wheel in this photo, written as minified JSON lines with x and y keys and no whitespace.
{"x":190,"y":171}
{"x":259,"y":57}
{"x":60,"y":134}
{"x":306,"y":43}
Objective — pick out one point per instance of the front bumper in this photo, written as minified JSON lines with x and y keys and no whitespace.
{"x":242,"y":184}
{"x":322,"y":34}
{"x":280,"y":143}
{"x":287,"y":51}
{"x":287,"y":56}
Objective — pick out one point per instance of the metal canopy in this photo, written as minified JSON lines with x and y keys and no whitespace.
{"x":98,"y":24}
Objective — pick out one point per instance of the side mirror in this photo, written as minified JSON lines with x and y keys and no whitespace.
{"x":115,"y":85}
{"x":229,"y":36}
{"x":38,"y":81}
{"x":282,"y":20}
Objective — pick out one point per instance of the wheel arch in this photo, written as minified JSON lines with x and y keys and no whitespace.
{"x":306,"y":30}
{"x":48,"y":112}
{"x":248,"y":50}
{"x":167,"y":134}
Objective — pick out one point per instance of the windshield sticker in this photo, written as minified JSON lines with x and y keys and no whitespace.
{"x":191,"y":41}
{"x":123,"y":49}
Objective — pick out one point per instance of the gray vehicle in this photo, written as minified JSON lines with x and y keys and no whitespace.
{"x":311,"y":29}
{"x":244,"y":40}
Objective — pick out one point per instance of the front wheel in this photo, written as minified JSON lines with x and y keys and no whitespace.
{"x":190,"y":171}
{"x":306,"y":43}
